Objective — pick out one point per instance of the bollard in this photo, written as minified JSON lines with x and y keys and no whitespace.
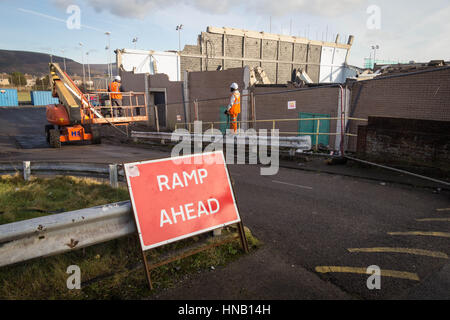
{"x":26,"y":170}
{"x":113,"y":177}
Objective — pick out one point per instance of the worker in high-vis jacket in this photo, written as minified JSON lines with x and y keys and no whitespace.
{"x":234,"y":108}
{"x":116,"y":96}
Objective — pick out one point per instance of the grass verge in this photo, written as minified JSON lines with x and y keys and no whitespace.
{"x":21,"y":200}
{"x":111,"y":270}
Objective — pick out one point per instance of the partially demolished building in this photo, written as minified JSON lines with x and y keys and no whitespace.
{"x":273,"y":58}
{"x":194,"y":85}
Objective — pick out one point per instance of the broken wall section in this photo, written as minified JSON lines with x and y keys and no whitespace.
{"x":419,"y":95}
{"x":278,"y":55}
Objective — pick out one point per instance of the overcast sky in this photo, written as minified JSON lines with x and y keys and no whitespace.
{"x":405,"y":30}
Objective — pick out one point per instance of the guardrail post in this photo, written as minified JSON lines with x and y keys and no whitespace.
{"x":113,"y":176}
{"x":26,"y":170}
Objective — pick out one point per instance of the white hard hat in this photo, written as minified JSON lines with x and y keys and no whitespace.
{"x":118,"y":78}
{"x":234,"y":86}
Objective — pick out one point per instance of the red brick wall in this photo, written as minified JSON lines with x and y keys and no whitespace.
{"x":417,"y":142}
{"x":425,"y":95}
{"x":311,"y":100}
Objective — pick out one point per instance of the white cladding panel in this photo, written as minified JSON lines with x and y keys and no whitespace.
{"x":332,"y":65}
{"x":138,"y":61}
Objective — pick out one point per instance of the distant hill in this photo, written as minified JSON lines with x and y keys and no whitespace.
{"x":35,"y":63}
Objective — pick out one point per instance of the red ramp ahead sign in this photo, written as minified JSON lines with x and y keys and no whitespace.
{"x":180,"y":197}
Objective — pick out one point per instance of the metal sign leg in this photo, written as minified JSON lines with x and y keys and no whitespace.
{"x":147,"y":271}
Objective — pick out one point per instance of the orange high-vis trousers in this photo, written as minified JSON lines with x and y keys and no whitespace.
{"x":233,"y":122}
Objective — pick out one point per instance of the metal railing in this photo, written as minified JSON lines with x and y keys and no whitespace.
{"x":134,"y":107}
{"x":274,"y":122}
{"x":98,"y":170}
{"x":54,"y":234}
{"x":297,"y":143}
{"x":59,"y":233}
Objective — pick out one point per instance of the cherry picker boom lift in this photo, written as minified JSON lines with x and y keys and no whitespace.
{"x":79,"y":116}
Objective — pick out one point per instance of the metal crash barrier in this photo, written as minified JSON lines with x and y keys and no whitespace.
{"x":298,"y":143}
{"x":112,"y":171}
{"x":59,"y":233}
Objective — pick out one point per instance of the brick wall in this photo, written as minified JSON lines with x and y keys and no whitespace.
{"x":310,"y":100}
{"x":412,"y":141}
{"x":174,"y":96}
{"x":173,"y":90}
{"x":213,"y":86}
{"x":424,"y":95}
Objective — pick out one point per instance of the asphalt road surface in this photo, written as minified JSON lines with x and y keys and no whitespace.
{"x":320,"y":231}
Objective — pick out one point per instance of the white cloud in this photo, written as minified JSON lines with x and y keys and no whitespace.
{"x":411,"y":30}
{"x":142,"y":8}
{"x":327,"y":8}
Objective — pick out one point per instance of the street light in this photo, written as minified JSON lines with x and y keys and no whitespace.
{"x":108,"y":48}
{"x":375,"y":48}
{"x":89,"y":68}
{"x":64,"y":57}
{"x":135,"y":40}
{"x":178,"y":28}
{"x":82,"y":61}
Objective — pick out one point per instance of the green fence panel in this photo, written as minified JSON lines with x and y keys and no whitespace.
{"x":310,"y":126}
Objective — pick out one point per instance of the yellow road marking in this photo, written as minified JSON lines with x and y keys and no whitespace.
{"x":418,"y":252}
{"x":433,"y":219}
{"x":442,"y":210}
{"x":421,"y":233}
{"x":384,"y":273}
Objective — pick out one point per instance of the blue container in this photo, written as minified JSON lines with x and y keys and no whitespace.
{"x":9,"y":98}
{"x":42,"y":98}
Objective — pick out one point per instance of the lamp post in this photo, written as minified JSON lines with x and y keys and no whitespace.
{"x":107,"y":65}
{"x":135,"y":40}
{"x":89,"y":69}
{"x":108,"y":48}
{"x":375,"y":48}
{"x":82,"y":61}
{"x":64,"y":58}
{"x":178,"y":28}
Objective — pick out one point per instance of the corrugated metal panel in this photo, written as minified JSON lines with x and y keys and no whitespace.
{"x":42,"y":98}
{"x":8,"y":98}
